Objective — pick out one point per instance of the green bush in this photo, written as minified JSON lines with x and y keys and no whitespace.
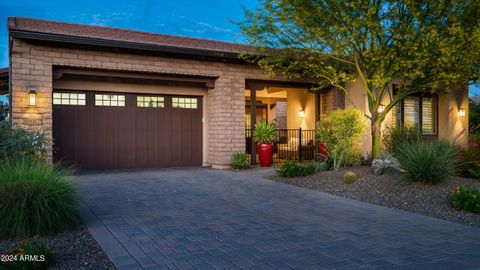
{"x":264,"y":132}
{"x":341,"y":131}
{"x":240,"y":162}
{"x":395,"y":137}
{"x":18,"y":142}
{"x":37,"y":247}
{"x":35,"y":198}
{"x":465,"y":198}
{"x":428,"y":162}
{"x":291,"y":168}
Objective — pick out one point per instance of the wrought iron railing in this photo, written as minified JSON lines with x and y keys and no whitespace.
{"x":297,"y":144}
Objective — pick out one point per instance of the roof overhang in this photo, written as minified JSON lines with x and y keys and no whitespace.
{"x":67,"y":39}
{"x":3,"y":81}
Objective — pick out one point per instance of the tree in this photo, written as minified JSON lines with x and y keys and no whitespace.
{"x":413,"y":44}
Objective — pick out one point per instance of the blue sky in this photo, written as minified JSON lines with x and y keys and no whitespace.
{"x":196,"y":18}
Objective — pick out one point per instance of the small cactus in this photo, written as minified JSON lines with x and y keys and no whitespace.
{"x":350,"y":177}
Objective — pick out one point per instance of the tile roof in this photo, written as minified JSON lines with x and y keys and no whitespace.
{"x":118,"y":34}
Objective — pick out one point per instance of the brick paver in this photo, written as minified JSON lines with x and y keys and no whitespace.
{"x":213,"y":219}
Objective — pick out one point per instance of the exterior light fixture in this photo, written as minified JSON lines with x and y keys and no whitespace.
{"x":381,"y":107}
{"x":32,"y":96}
{"x":461,"y":112}
{"x":301,"y":114}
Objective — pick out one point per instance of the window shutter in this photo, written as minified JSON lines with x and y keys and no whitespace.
{"x":411,"y":111}
{"x":428,"y":116}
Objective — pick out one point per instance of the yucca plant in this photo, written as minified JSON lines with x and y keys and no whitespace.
{"x":264,"y":132}
{"x":35,"y":198}
{"x":240,"y":162}
{"x":428,"y":162}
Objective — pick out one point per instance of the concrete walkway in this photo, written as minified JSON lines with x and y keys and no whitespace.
{"x":212,"y":219}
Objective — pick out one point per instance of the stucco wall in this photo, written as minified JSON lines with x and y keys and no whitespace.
{"x":451,"y":127}
{"x":32,"y":66}
{"x":357,"y":98}
{"x":299,"y":100}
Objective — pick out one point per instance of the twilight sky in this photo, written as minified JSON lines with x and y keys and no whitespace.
{"x":196,"y":18}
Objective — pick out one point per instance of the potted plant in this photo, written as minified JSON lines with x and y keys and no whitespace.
{"x":264,"y":135}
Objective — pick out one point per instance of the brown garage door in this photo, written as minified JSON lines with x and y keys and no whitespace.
{"x":117,"y":130}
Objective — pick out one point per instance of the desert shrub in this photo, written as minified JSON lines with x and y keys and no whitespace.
{"x":465,"y":198}
{"x":395,"y":137}
{"x":321,"y":166}
{"x":37,"y":247}
{"x":341,"y":131}
{"x":35,"y":198}
{"x":470,"y":157}
{"x":18,"y":142}
{"x":291,"y":168}
{"x":428,"y":162}
{"x":240,"y":162}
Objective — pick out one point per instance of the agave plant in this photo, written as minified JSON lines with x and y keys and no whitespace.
{"x":264,"y":132}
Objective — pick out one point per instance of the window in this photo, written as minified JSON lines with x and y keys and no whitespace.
{"x":429,"y":115}
{"x":60,"y":98}
{"x":187,"y":103}
{"x":417,"y":111}
{"x":110,"y":100}
{"x":150,"y":102}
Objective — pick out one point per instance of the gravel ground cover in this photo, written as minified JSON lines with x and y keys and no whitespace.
{"x":74,"y":249}
{"x":390,"y":191}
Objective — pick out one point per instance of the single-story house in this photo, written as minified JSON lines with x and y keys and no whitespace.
{"x":115,"y":98}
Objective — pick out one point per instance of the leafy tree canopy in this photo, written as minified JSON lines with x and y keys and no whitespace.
{"x":412,"y":43}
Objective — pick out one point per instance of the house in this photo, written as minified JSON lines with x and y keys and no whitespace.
{"x":116,"y":98}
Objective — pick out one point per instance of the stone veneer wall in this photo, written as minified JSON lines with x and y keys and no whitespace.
{"x":32,"y":65}
{"x":281,"y":114}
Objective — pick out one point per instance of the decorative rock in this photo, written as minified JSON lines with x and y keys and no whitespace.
{"x":350,"y":177}
{"x":385,"y":164}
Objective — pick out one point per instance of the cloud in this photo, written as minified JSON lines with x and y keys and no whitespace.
{"x":197,"y":31}
{"x":212,"y":27}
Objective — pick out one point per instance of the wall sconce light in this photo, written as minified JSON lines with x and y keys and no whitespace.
{"x":32,"y":96}
{"x":381,"y":107}
{"x":461,"y":112}
{"x":301,"y":114}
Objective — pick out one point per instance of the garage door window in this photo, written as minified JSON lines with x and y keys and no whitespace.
{"x":110,"y":100}
{"x":150,"y":102}
{"x":186,"y":103}
{"x":60,"y":98}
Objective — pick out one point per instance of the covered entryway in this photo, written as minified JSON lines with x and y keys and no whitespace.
{"x":104,"y":130}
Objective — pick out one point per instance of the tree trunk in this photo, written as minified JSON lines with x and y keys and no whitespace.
{"x":376,"y":137}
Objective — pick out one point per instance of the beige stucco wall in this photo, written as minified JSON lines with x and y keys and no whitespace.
{"x":451,"y":127}
{"x":299,"y":100}
{"x":129,"y":87}
{"x":357,"y":98}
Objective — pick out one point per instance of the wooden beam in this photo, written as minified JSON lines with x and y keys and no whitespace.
{"x":206,"y":81}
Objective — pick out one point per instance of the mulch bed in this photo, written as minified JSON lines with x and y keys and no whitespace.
{"x":391,"y":191}
{"x":74,"y":249}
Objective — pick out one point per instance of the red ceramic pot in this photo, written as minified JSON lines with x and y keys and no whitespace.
{"x":265,"y":154}
{"x":323,"y":151}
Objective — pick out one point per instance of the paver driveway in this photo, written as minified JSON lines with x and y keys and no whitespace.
{"x":212,"y":219}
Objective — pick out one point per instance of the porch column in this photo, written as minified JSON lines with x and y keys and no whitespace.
{"x":253,"y":121}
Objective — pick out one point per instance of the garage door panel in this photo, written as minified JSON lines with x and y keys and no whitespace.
{"x":102,"y":137}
